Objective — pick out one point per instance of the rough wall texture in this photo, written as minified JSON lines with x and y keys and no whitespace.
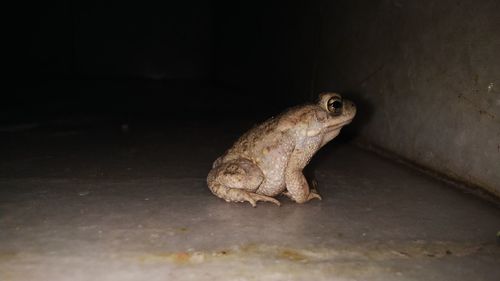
{"x":427,"y":77}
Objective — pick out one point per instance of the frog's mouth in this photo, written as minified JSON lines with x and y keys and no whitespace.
{"x":338,"y":126}
{"x":330,"y":132}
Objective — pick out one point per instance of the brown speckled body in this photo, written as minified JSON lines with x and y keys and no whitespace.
{"x":268,"y":160}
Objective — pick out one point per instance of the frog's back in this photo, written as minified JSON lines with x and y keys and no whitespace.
{"x":256,"y":137}
{"x":273,"y":135}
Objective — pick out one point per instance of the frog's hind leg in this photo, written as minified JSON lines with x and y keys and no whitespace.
{"x":237,"y":181}
{"x":239,"y":195}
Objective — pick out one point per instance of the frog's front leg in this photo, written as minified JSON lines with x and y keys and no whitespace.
{"x":237,"y":181}
{"x":297,"y":187}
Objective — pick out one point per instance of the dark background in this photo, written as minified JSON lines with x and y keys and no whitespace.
{"x":172,"y":60}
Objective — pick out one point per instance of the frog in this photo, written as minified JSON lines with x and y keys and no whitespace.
{"x":268,"y":160}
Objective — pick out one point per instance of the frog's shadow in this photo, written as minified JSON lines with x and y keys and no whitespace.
{"x":347,"y":136}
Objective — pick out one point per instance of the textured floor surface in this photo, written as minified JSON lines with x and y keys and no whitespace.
{"x":122,"y":202}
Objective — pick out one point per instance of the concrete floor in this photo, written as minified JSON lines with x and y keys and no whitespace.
{"x":118,"y":203}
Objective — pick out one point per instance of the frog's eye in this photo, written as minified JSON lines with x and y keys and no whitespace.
{"x":334,"y":105}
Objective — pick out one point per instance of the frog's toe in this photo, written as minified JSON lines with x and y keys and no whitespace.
{"x":253,"y":198}
{"x":313,"y":195}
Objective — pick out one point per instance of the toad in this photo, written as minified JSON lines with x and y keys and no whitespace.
{"x":268,"y":159}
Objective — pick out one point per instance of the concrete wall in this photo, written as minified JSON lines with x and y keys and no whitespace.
{"x":427,"y":77}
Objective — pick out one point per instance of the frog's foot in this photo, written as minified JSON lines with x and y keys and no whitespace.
{"x":313,"y":194}
{"x":240,"y":195}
